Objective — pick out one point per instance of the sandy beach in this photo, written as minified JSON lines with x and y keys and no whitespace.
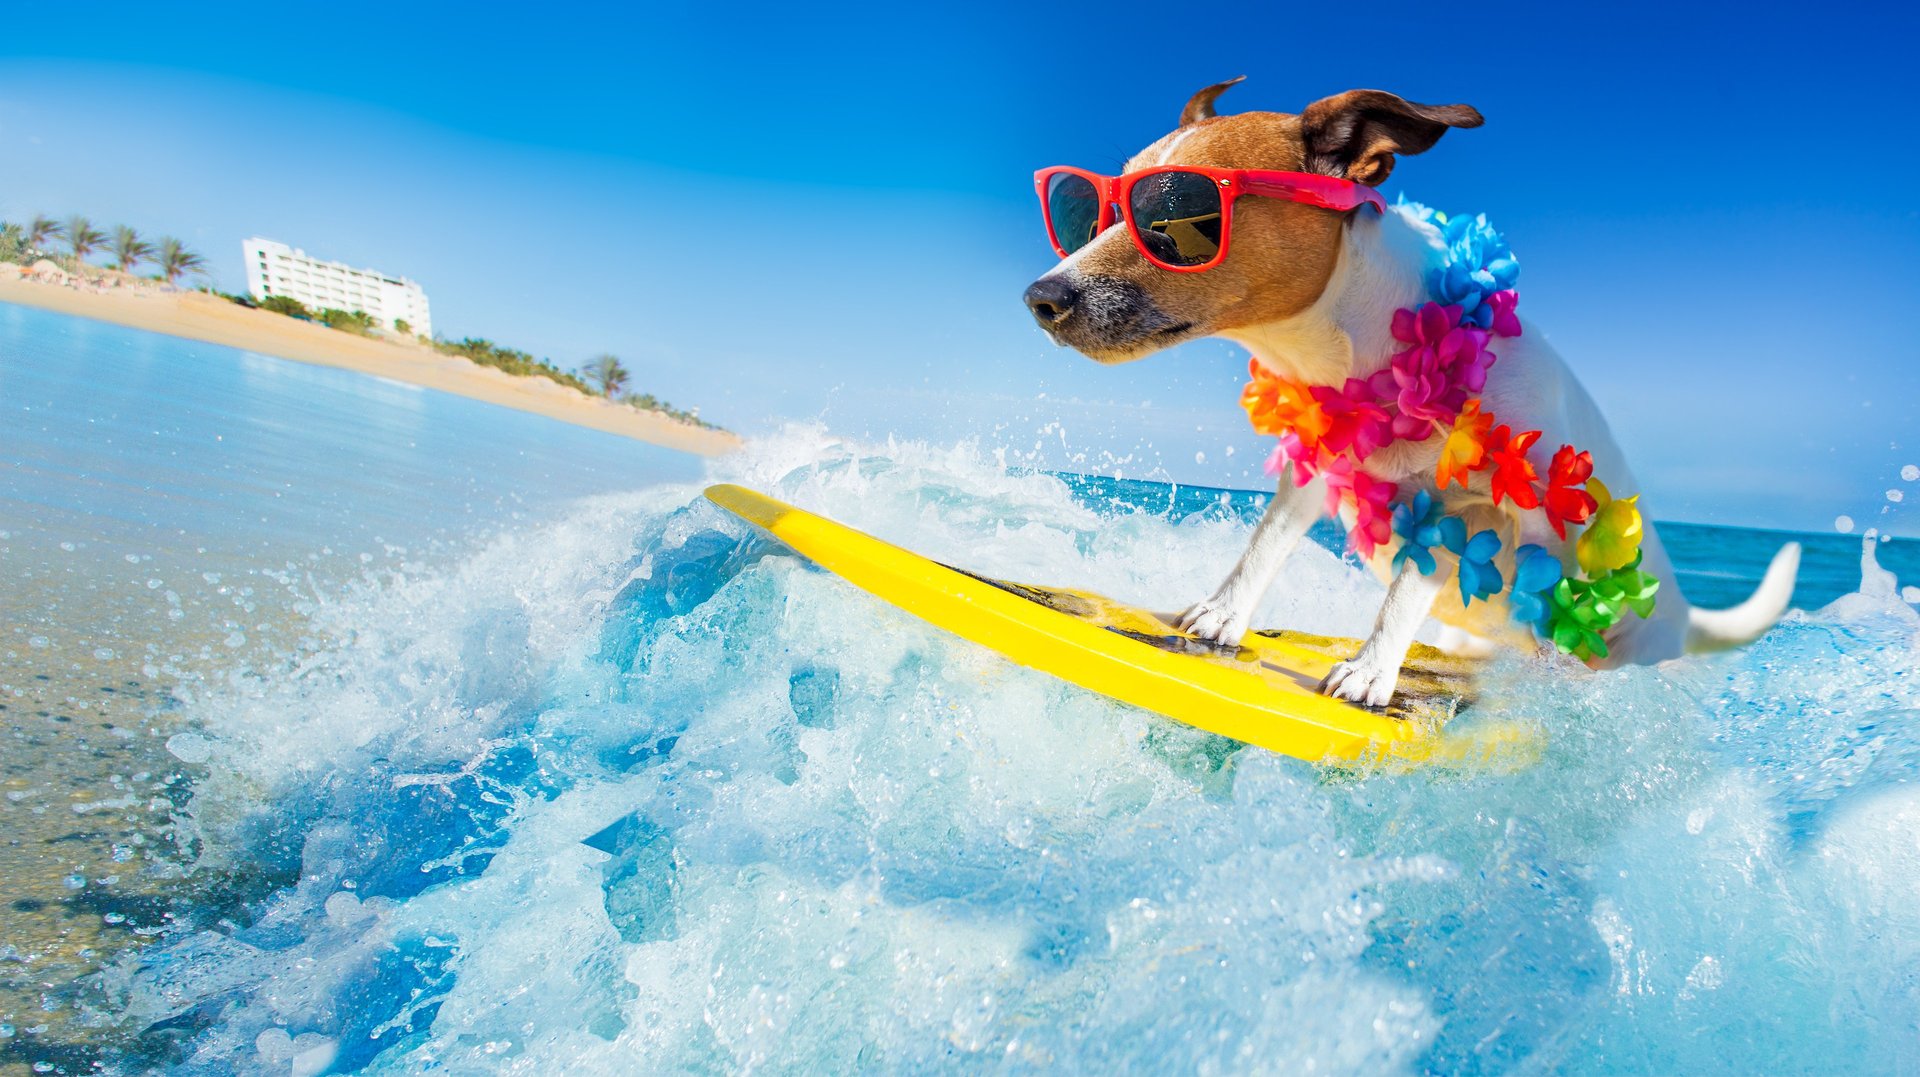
{"x":197,"y":316}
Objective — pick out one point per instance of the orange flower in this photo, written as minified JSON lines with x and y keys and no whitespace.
{"x":1465,"y":449}
{"x":1278,"y":406}
{"x":1513,"y":473}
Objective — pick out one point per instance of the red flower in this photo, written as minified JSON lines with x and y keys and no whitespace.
{"x":1513,"y":473}
{"x":1567,"y":498}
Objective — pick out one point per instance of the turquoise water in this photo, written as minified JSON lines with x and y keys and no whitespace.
{"x":165,"y":444}
{"x":626,"y":788}
{"x":1718,"y":566}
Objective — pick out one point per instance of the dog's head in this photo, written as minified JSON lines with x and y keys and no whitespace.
{"x":1109,"y":302}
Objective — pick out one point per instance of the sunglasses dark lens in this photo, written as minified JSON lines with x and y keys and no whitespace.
{"x":1073,"y":208}
{"x":1177,"y":216}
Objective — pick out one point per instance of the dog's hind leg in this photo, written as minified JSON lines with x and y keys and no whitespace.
{"x":1224,"y":617}
{"x":1463,"y":644}
{"x":1370,"y":676}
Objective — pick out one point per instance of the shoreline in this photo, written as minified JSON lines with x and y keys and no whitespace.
{"x":213,"y":320}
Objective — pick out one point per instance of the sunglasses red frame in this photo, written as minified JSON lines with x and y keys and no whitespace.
{"x":1306,"y":188}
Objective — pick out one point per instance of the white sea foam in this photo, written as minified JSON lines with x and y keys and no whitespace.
{"x":641,"y":792}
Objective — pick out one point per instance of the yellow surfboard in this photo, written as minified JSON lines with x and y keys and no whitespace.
{"x":1264,"y":693}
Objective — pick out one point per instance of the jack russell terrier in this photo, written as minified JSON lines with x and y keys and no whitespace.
{"x":1374,"y":333}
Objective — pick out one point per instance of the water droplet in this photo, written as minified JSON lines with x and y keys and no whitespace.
{"x":1896,"y":496}
{"x":76,"y":881}
{"x":1843,"y":524}
{"x":1911,"y":472}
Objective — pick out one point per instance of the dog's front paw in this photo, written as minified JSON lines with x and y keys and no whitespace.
{"x":1216,"y":620}
{"x":1362,"y":679}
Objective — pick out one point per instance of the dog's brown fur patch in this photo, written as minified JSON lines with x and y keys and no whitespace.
{"x":1279,"y":255}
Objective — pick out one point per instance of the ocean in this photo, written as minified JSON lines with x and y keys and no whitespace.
{"x":479,"y":744}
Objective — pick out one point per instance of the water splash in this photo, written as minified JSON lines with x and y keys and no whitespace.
{"x":643,"y":792}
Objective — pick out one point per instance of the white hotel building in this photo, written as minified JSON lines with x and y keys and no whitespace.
{"x":277,"y":269}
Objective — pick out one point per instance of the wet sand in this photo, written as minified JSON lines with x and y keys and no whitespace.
{"x":90,"y":866}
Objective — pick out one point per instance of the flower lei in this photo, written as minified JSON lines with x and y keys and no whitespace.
{"x":1429,"y":389}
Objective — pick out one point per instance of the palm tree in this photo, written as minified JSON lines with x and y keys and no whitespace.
{"x":174,"y":259}
{"x":607,"y":372}
{"x":42,"y":230}
{"x":83,"y":237}
{"x":129,"y":249}
{"x":13,"y":241}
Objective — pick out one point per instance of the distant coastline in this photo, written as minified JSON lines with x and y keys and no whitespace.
{"x":209,"y":318}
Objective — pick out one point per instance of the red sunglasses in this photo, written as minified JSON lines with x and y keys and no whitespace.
{"x":1179,"y":215}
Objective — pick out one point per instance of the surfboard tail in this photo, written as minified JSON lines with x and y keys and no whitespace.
{"x":1719,"y":630}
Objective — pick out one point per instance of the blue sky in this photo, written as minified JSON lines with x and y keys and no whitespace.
{"x":781,"y":212}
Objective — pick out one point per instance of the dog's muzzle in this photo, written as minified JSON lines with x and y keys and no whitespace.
{"x":1051,"y":299}
{"x":1105,"y":317}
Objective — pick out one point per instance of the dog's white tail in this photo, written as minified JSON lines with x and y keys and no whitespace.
{"x":1717,"y":630}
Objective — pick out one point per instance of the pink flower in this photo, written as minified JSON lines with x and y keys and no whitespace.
{"x":1372,"y":501}
{"x":1280,"y":457}
{"x":1422,"y":393}
{"x":1359,"y":423}
{"x":1505,"y":322}
{"x":1306,"y":462}
{"x":1430,"y":381}
{"x":1373,"y":513}
{"x":1464,"y":354}
{"x":1338,"y":471}
{"x":1425,"y":326}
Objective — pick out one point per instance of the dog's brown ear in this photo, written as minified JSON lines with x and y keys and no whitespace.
{"x":1200,"y":105}
{"x":1356,"y":134}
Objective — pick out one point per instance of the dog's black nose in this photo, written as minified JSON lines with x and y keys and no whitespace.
{"x":1051,"y":299}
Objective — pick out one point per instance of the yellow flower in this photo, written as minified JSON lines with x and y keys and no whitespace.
{"x":1612,"y":538}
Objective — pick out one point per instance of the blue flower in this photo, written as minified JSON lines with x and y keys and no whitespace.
{"x":1479,"y":577}
{"x":1416,"y":523}
{"x":1475,"y":264}
{"x":1535,"y":573}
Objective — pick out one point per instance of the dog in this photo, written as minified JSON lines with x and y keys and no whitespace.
{"x":1311,"y":292}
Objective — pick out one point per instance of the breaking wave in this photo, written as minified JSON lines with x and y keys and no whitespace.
{"x":640,"y":791}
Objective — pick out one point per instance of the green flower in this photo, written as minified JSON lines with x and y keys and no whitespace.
{"x":1578,"y":619}
{"x":1583,"y":610}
